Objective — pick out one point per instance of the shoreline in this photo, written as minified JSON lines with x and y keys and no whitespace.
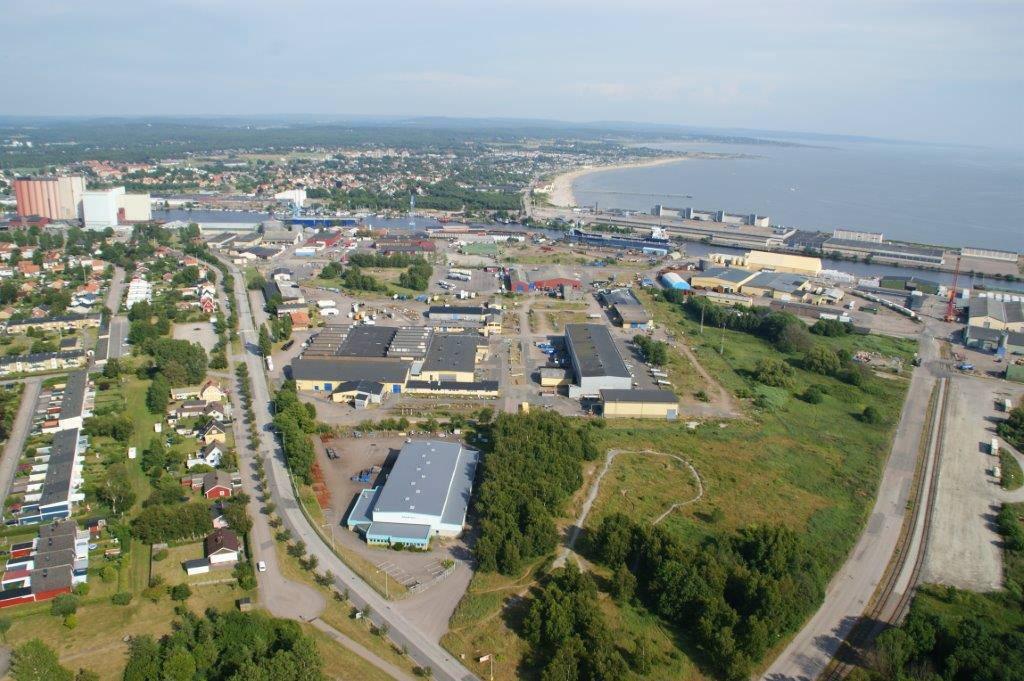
{"x":562,"y":195}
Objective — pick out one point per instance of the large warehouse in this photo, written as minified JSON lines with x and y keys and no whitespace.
{"x":426,"y":494}
{"x":596,"y":361}
{"x":391,"y":356}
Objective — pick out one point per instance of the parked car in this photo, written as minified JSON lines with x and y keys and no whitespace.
{"x":261,"y":566}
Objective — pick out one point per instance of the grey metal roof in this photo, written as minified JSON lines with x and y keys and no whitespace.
{"x":453,"y":386}
{"x":428,"y":476}
{"x":620,"y":296}
{"x":455,"y":309}
{"x":362,"y":509}
{"x":452,"y":352}
{"x":594,"y":351}
{"x":41,"y":357}
{"x":778,"y":281}
{"x":884,"y":248}
{"x":341,"y":369}
{"x":659,"y":396}
{"x":57,"y":483}
{"x":731,"y":274}
{"x":367,"y":341}
{"x":73,"y":401}
{"x":398,"y":531}
{"x":1006,"y":311}
{"x":371,"y":387}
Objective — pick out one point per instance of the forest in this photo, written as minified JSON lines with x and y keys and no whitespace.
{"x":530,"y":470}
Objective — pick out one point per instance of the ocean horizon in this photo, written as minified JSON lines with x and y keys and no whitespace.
{"x":942,"y":195}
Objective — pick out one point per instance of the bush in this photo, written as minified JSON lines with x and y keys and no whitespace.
{"x":81,"y":589}
{"x":121,"y":598}
{"x":871,"y":415}
{"x":160,"y":555}
{"x":71,"y":621}
{"x":813,"y":395}
{"x":108,"y":573}
{"x":64,"y":605}
{"x":773,"y":372}
{"x":180,"y":592}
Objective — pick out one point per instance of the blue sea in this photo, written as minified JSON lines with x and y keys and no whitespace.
{"x":943,"y":195}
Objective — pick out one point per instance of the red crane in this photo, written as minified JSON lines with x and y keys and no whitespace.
{"x":951,"y":305}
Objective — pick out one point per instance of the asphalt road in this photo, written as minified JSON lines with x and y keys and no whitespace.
{"x":847,"y":595}
{"x":421,"y":649}
{"x":19,"y":431}
{"x":118,"y":323}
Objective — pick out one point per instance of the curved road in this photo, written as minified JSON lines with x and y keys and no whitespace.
{"x":850,"y":590}
{"x":425,"y":652}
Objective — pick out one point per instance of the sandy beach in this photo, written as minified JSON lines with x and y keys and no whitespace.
{"x":561,"y":193}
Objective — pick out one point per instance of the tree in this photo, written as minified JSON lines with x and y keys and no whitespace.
{"x":821,"y":359}
{"x":158,"y":395}
{"x":116,"y":489}
{"x":179,"y":665}
{"x":36,"y":661}
{"x":143,"y":659}
{"x":623,"y":584}
{"x":180,"y":592}
{"x":5,"y":626}
{"x":265,"y":344}
{"x":112,"y":369}
{"x":773,"y":372}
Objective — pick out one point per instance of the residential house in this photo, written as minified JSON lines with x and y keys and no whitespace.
{"x":217,"y":485}
{"x":210,"y":433}
{"x":222,"y":546}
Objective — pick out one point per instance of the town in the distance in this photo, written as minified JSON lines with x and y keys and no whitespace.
{"x":397,"y":407}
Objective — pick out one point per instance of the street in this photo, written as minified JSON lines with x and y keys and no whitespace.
{"x":421,"y":649}
{"x":852,"y":587}
{"x":19,"y":432}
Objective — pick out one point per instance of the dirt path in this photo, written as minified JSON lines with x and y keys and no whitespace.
{"x":721,"y":403}
{"x":574,"y":532}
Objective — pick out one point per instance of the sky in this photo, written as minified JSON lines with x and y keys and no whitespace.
{"x":941,"y":71}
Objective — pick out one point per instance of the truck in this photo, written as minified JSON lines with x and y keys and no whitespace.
{"x":663,"y":382}
{"x":658,"y":373}
{"x":445,"y":285}
{"x":455,"y":270}
{"x":459,"y":277}
{"x":270,"y":363}
{"x":993,"y":448}
{"x":325,"y":303}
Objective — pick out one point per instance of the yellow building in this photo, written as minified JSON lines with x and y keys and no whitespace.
{"x":783,"y":262}
{"x":325,"y":374}
{"x":453,"y":358}
{"x":724,"y":279}
{"x":639,"y":404}
{"x":554,"y":377}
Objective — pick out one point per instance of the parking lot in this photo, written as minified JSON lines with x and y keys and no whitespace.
{"x":366,"y":453}
{"x":196,"y":332}
{"x":965,"y":550}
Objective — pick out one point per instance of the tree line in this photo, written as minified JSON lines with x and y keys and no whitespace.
{"x":295,"y":422}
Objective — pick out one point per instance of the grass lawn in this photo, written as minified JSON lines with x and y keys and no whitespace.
{"x":642,"y":486}
{"x":170,"y":567}
{"x":340,"y":663}
{"x":1013,"y":477}
{"x":486,"y":619}
{"x":338,"y":614}
{"x":97,"y":643}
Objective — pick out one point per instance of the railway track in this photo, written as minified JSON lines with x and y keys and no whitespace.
{"x":890,"y":606}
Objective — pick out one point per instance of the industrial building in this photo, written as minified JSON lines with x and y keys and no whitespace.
{"x":596,"y":362}
{"x":639,"y":404}
{"x":721,"y":279}
{"x":782,"y":286}
{"x":673,"y":280}
{"x":721,"y":216}
{"x":56,"y":198}
{"x":344,"y":354}
{"x":782,"y":262}
{"x":996,"y":311}
{"x":884,"y":251}
{"x":854,"y":235}
{"x":990,"y":254}
{"x":103,"y":208}
{"x":628,"y":311}
{"x":458,"y":313}
{"x":426,"y":494}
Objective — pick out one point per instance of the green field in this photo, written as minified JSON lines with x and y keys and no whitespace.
{"x":812,"y":467}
